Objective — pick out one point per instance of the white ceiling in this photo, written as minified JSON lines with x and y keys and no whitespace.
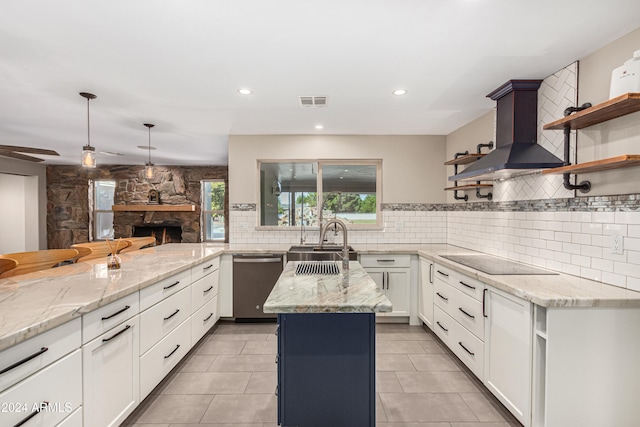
{"x":178,"y":64}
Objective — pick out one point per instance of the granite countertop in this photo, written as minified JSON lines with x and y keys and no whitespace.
{"x":36,"y":302}
{"x":351,"y":291}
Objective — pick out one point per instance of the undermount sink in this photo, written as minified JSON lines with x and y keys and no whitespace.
{"x":328,"y":252}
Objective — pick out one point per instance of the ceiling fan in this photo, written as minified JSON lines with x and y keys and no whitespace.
{"x":14,"y":151}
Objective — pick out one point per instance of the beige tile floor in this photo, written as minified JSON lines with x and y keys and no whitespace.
{"x":229,"y":378}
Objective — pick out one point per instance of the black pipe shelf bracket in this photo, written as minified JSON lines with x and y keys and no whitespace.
{"x":489,"y":195}
{"x":465,"y":158}
{"x":455,"y":183}
{"x":584,"y":186}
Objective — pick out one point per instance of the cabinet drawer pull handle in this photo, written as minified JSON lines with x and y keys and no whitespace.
{"x":484,"y":298}
{"x":33,"y":414}
{"x":470,"y":315}
{"x":208,"y":317}
{"x":276,"y":392}
{"x":207,"y":290}
{"x":386,"y":260}
{"x":466,"y":349}
{"x":277,"y":359}
{"x":174,"y":350}
{"x":430,"y":273}
{"x":126,"y":307}
{"x":444,"y":298}
{"x":443,"y":273}
{"x":171,"y":286}
{"x":468,"y":286}
{"x":277,"y":330}
{"x":207,"y":267}
{"x":173,"y":314}
{"x":116,"y":334}
{"x":443,"y":328}
{"x":25,"y":360}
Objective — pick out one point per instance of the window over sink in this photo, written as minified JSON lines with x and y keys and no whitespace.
{"x":292,"y":192}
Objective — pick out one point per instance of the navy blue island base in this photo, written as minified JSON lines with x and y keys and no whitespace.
{"x":326,"y":370}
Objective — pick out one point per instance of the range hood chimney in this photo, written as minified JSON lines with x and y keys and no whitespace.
{"x":516,"y":135}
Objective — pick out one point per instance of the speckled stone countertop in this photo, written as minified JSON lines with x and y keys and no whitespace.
{"x":552,"y":291}
{"x":36,"y":302}
{"x":351,"y":291}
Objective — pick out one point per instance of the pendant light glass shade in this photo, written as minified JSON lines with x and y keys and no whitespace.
{"x":88,"y":157}
{"x":149,"y":169}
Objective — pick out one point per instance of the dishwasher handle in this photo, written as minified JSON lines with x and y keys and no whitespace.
{"x":251,"y":259}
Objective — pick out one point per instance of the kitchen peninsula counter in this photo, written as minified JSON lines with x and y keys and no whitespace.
{"x":33,"y":303}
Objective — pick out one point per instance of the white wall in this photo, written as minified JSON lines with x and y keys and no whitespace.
{"x":615,"y":137}
{"x":36,"y":187}
{"x":19,"y":214}
{"x":412,"y":166}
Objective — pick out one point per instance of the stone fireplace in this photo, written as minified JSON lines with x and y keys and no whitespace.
{"x":175,"y":212}
{"x":167,"y":226}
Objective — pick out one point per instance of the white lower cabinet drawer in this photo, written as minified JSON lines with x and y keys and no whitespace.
{"x":22,"y":360}
{"x":468,"y":312}
{"x":468,"y":348}
{"x":442,"y":326}
{"x":156,"y":363}
{"x":47,"y":397}
{"x":203,"y":319}
{"x":465,"y":345}
{"x":73,"y":420}
{"x":162,"y":318}
{"x":204,"y":290}
{"x":99,"y":321}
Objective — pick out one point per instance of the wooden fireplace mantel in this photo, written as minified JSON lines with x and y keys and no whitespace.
{"x":154,"y":208}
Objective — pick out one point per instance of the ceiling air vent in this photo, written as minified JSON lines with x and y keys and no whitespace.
{"x":312,"y":101}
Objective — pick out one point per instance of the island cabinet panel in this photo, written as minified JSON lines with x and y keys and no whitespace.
{"x":326,"y":369}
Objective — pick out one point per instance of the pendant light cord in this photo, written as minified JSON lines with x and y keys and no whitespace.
{"x":88,"y":125}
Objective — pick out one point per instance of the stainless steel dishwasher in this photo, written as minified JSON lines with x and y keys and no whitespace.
{"x":253,"y":278}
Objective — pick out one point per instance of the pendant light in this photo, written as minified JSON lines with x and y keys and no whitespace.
{"x":88,"y":158}
{"x":149,"y":169}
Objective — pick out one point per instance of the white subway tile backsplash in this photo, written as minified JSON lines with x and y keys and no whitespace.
{"x":627,"y":218}
{"x":603,"y":217}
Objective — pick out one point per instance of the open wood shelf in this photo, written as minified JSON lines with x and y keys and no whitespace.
{"x":618,"y":162}
{"x":154,"y":208}
{"x":468,"y":187}
{"x":611,"y":109}
{"x":464,"y":160}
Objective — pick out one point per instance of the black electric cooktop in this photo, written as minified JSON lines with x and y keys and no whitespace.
{"x":494,"y":265}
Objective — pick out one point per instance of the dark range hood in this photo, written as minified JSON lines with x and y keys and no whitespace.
{"x":516,"y":135}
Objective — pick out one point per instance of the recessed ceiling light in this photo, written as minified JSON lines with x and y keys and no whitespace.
{"x":145,"y":147}
{"x":111,"y":153}
{"x":400,"y":92}
{"x":244,"y":91}
{"x":319,"y":127}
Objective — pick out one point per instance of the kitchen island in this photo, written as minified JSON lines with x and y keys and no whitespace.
{"x":326,"y":346}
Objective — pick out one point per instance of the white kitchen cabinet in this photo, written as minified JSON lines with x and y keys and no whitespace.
{"x":47,"y":397}
{"x":203,"y":319}
{"x":225,"y":296}
{"x":157,"y":321}
{"x":110,"y":375}
{"x":508,"y":351}
{"x":393,"y":274}
{"x":156,"y":363}
{"x":28,"y":357}
{"x":425,"y":292}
